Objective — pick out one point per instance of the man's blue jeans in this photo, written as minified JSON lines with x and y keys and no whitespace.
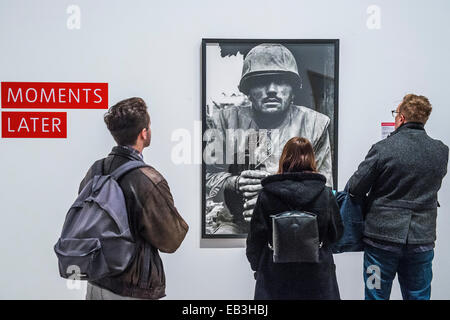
{"x":414,"y":273}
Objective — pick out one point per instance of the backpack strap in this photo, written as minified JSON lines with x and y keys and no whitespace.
{"x":126,"y":167}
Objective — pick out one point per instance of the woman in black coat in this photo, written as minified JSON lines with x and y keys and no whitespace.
{"x":296,"y":186}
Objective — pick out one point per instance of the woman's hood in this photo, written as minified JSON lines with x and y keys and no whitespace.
{"x":296,"y":188}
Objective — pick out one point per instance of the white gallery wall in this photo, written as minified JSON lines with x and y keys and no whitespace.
{"x":152,"y":49}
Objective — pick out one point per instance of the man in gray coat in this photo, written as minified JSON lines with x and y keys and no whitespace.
{"x":402,"y":175}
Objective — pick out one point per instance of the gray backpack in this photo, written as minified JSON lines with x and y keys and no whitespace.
{"x":96,"y":240}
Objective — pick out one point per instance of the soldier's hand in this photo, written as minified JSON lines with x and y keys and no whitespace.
{"x":249,"y":205}
{"x":249,"y":182}
{"x":248,"y":215}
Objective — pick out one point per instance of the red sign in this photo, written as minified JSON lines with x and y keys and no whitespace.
{"x":56,"y":95}
{"x":34,"y":125}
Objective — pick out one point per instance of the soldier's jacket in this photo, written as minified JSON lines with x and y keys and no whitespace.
{"x":300,"y":121}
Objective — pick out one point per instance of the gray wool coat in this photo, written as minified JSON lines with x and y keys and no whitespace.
{"x":402,"y":175}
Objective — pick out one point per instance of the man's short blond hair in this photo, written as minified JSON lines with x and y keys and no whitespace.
{"x":415,"y":108}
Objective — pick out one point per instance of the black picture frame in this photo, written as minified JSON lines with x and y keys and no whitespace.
{"x":311,"y":76}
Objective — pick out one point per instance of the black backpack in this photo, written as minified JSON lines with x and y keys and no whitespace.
{"x":96,"y":240}
{"x":295,"y":236}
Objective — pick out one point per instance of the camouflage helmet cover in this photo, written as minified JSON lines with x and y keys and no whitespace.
{"x":269,"y":59}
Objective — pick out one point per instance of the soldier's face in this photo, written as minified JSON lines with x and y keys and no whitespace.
{"x":271,"y":95}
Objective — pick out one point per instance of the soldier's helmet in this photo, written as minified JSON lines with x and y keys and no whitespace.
{"x":269,"y":59}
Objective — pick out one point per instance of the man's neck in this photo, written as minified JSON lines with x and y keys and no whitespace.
{"x":138,"y":149}
{"x":270,"y":121}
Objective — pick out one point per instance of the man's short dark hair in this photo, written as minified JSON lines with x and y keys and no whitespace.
{"x":126,"y":119}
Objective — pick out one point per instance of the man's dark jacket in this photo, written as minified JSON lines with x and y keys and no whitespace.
{"x":282,"y":192}
{"x":154,"y":221}
{"x":403,"y":174}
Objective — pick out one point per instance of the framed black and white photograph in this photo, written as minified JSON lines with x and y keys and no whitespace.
{"x":256,"y":95}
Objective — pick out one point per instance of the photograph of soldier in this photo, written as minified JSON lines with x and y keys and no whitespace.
{"x":258,"y":96}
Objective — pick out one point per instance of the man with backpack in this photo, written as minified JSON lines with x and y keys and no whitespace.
{"x":123,"y":240}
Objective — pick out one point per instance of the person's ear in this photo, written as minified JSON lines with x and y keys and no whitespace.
{"x":142,"y":134}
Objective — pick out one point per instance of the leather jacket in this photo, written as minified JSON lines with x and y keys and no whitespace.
{"x":154,"y":221}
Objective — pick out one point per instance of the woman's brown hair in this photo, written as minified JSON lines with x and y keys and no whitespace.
{"x":297,"y":156}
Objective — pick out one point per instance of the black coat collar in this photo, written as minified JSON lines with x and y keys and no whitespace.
{"x":409,"y":125}
{"x":127,"y":152}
